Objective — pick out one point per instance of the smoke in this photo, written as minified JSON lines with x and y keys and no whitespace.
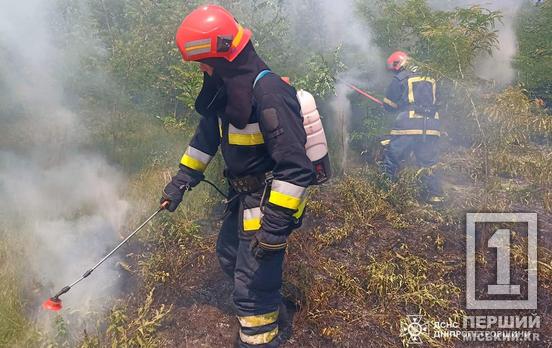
{"x":341,"y":107}
{"x":497,"y":67}
{"x":62,"y":203}
{"x":322,"y":26}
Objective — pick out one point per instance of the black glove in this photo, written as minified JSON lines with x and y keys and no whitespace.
{"x":174,"y":191}
{"x":263,"y":243}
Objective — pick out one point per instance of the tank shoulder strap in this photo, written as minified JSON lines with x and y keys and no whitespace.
{"x":260,"y":76}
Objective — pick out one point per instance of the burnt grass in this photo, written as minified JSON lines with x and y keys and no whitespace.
{"x":368,"y":254}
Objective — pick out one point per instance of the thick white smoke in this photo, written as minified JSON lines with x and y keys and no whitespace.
{"x":497,"y":67}
{"x":63,"y":203}
{"x":325,"y":25}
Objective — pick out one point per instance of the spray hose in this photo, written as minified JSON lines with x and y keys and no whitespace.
{"x":215,"y":187}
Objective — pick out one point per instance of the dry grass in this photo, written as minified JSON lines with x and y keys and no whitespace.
{"x":137,"y":329}
{"x":370,"y":263}
{"x":15,"y":329}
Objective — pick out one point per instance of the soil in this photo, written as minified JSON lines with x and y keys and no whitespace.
{"x":202,"y":314}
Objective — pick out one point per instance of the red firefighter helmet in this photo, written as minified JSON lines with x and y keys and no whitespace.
{"x":211,"y":32}
{"x":397,"y":60}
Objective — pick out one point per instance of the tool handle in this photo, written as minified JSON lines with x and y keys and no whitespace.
{"x":62,"y":291}
{"x":129,"y":236}
{"x":87,"y":273}
{"x":360,"y":91}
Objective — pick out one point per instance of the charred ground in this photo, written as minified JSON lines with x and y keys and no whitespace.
{"x":368,"y":255}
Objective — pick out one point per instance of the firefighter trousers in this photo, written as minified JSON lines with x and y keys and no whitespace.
{"x":257,"y":282}
{"x":426,"y":152}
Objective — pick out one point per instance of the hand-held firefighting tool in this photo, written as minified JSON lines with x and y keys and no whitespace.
{"x":361,"y":92}
{"x":55,"y":304}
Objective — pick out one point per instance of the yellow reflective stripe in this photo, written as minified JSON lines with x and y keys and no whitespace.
{"x":301,"y":209}
{"x":198,"y":47}
{"x":385,"y":142}
{"x":414,"y":132}
{"x":195,"y":159}
{"x":263,"y":338}
{"x":237,"y":40}
{"x":390,"y":103}
{"x":245,"y":139}
{"x":252,"y":224}
{"x":415,"y":79}
{"x":192,"y":163}
{"x":286,"y":194}
{"x":198,"y":42}
{"x":284,"y":200}
{"x":258,"y":320}
{"x":252,"y":219}
{"x":250,"y":135}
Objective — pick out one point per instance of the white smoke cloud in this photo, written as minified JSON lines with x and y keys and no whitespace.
{"x":63,"y":203}
{"x":498,"y":67}
{"x":321,"y":26}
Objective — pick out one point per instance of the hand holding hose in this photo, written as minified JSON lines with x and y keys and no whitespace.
{"x":174,"y":191}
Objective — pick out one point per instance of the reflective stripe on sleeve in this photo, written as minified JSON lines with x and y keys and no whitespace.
{"x":262,"y":338}
{"x":250,"y":135}
{"x":195,"y":159}
{"x":299,"y":213}
{"x":286,"y":195}
{"x":252,"y":219}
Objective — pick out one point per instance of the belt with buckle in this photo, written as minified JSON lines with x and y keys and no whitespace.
{"x":250,"y":183}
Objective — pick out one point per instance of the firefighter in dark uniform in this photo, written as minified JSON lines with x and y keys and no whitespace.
{"x":416,"y":128}
{"x":255,"y":118}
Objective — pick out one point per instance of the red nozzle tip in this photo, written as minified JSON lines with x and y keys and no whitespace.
{"x":52,"y":304}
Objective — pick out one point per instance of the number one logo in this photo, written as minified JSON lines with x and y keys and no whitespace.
{"x":501,"y":241}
